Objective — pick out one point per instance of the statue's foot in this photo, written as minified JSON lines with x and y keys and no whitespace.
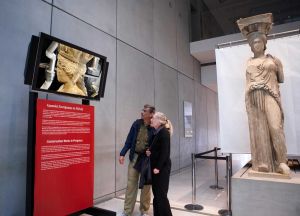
{"x":263,"y":168}
{"x":283,"y":169}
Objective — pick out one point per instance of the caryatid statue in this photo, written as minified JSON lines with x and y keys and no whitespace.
{"x":262,"y":97}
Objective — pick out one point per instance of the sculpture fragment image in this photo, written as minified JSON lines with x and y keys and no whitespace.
{"x":264,"y":72}
{"x":69,"y":65}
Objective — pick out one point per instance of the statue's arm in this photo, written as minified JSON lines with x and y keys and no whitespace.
{"x":280,"y":76}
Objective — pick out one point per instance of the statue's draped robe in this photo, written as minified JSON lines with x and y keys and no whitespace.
{"x":265,"y":113}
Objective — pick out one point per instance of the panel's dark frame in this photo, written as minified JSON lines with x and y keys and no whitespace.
{"x":95,"y":212}
{"x":103,"y":80}
{"x":30,"y":153}
{"x":30,"y":60}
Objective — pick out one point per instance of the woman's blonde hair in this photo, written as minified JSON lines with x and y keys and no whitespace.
{"x":164,"y":121}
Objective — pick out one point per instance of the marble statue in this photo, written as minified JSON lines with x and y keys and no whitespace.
{"x":262,"y":97}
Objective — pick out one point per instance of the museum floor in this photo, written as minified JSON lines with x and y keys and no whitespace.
{"x":180,"y":191}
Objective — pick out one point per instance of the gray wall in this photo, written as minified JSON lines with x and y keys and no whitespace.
{"x":147,"y":45}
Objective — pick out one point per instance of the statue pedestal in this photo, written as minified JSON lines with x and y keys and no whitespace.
{"x":252,"y":173}
{"x":264,"y":196}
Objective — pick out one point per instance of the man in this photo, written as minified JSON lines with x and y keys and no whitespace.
{"x":137,"y":141}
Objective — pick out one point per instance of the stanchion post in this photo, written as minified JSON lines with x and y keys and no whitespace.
{"x":229,"y":181}
{"x":228,"y":212}
{"x":193,"y":206}
{"x":216,"y":185}
{"x":194,"y":179}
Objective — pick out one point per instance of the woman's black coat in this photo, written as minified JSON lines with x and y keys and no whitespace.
{"x":160,"y":159}
{"x":160,"y":150}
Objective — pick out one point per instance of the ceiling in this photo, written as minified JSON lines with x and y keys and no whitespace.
{"x":218,"y":17}
{"x":211,"y":19}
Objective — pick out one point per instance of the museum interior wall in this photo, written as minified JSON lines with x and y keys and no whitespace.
{"x":147,"y":45}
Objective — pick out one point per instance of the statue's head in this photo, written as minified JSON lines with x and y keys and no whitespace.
{"x":71,"y":64}
{"x":67,"y":72}
{"x":257,"y":39}
{"x":256,"y":28}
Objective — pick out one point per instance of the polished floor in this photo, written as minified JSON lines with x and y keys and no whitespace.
{"x":180,"y":191}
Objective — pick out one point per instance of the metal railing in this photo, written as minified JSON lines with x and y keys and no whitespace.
{"x":228,"y":212}
{"x":216,"y":186}
{"x":228,"y":159}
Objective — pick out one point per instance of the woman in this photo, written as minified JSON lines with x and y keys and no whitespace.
{"x":263,"y":104}
{"x":160,"y":164}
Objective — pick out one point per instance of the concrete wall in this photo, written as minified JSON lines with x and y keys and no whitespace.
{"x":147,"y":45}
{"x":209,"y":77}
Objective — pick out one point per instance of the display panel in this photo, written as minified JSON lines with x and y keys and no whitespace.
{"x":64,"y":68}
{"x":64,"y":158}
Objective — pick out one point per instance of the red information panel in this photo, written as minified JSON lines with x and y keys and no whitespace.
{"x":64,"y":158}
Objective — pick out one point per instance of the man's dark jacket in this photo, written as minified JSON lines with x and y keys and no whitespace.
{"x":131,"y":138}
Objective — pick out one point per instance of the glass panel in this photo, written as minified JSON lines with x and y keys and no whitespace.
{"x":187,"y":115}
